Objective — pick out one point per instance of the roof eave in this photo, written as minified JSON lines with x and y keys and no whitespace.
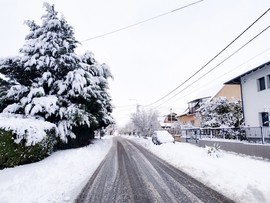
{"x":237,"y":80}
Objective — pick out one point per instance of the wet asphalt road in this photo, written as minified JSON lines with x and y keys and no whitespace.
{"x":130,"y":173}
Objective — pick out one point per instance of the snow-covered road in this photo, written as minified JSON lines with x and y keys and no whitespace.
{"x":130,"y":173}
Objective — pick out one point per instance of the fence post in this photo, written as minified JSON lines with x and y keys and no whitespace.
{"x":196,"y":137}
{"x":262,"y":135}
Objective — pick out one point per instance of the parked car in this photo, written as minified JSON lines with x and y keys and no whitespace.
{"x":161,"y":137}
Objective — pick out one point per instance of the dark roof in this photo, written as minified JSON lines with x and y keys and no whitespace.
{"x":196,"y":100}
{"x":237,"y":80}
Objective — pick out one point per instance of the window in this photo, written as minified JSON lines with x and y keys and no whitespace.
{"x":261,"y":84}
{"x":193,"y":106}
{"x":171,"y":118}
{"x":268,"y":81}
{"x":265,"y":119}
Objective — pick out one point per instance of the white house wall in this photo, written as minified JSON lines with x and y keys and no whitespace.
{"x":255,"y":101}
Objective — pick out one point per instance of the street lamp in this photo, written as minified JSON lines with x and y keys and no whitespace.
{"x":137,"y":105}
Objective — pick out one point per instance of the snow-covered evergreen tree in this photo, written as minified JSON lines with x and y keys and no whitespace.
{"x":220,"y":113}
{"x":97,"y":101}
{"x":49,"y":80}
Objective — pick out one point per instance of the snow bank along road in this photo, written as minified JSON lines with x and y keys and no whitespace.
{"x":130,"y":173}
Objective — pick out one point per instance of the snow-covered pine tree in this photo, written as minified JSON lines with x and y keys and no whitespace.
{"x":94,"y":98}
{"x":98,"y":101}
{"x":4,"y":86}
{"x":49,"y":80}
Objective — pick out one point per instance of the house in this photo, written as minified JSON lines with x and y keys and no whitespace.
{"x":167,"y":120}
{"x":255,"y":90}
{"x":188,"y":117}
{"x":229,"y":91}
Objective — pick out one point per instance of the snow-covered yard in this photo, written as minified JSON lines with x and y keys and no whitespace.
{"x":60,"y":177}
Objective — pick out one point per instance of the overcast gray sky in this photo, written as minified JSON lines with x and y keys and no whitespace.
{"x":151,"y":59}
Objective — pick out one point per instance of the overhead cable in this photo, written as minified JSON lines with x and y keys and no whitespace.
{"x":102,"y":35}
{"x":217,"y":65}
{"x":210,"y":60}
{"x":222,"y":75}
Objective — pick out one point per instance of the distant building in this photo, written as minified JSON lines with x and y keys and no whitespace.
{"x":255,"y":90}
{"x":167,"y":120}
{"x":189,"y":117}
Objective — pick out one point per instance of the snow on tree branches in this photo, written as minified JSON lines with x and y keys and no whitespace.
{"x":50,"y":81}
{"x":145,"y":122}
{"x":220,"y":113}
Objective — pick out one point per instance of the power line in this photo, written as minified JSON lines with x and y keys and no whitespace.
{"x":118,"y":30}
{"x":218,"y":77}
{"x":127,"y":109}
{"x":211,"y":59}
{"x":217,"y":64}
{"x":222,"y":75}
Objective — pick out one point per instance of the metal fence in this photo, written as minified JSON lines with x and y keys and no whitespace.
{"x":250,"y":134}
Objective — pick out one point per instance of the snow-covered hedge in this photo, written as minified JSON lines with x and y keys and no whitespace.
{"x":24,"y":140}
{"x":28,"y":129}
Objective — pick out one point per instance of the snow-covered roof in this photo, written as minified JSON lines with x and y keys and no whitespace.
{"x":183,"y":113}
{"x":161,"y":118}
{"x":208,"y":92}
{"x":165,"y":124}
{"x":237,"y":80}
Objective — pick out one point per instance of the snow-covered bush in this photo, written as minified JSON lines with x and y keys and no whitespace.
{"x":220,"y":112}
{"x":213,"y":151}
{"x":49,"y":80}
{"x":24,"y":140}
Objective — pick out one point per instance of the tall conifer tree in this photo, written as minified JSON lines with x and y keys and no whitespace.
{"x":50,"y":81}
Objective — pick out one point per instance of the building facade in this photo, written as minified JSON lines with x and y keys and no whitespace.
{"x":255,"y":90}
